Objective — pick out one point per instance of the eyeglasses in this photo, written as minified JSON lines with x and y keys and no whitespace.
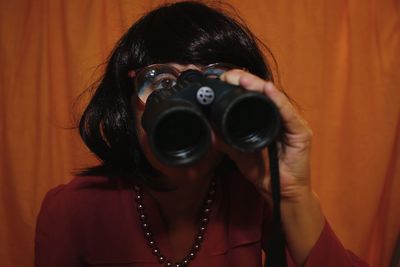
{"x":162,"y":76}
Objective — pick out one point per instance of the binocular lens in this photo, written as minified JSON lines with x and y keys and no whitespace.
{"x":251,"y":124}
{"x":182,"y":136}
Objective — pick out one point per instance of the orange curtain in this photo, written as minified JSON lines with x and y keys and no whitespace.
{"x":339,"y":59}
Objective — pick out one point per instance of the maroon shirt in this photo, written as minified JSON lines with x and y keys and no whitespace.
{"x":93,"y":221}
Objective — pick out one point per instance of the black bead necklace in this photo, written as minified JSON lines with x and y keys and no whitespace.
{"x":205,"y":217}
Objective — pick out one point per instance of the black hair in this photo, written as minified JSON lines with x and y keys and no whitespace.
{"x":183,"y":32}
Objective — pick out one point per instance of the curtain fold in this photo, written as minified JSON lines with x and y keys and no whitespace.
{"x":340,"y":60}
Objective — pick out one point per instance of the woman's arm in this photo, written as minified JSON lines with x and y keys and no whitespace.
{"x":302,"y":217}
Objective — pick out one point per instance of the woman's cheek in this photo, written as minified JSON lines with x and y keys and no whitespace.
{"x":145,"y":147}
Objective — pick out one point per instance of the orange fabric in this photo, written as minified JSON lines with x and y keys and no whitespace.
{"x":338,"y":59}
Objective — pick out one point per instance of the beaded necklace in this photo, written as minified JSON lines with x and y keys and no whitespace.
{"x":152,"y":244}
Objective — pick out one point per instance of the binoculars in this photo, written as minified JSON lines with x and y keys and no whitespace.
{"x":179,"y":120}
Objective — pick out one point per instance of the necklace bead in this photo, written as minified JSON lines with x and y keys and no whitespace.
{"x":196,"y":247}
{"x":199,"y":238}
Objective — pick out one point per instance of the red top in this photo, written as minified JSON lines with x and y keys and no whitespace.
{"x":93,"y":221}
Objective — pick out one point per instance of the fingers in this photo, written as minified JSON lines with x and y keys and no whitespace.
{"x":294,"y":123}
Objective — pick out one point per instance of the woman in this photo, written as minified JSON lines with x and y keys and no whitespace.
{"x":134,"y":210}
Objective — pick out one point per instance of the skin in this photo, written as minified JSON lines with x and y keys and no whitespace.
{"x":302,"y":216}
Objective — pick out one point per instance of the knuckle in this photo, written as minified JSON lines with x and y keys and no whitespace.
{"x":309,"y":133}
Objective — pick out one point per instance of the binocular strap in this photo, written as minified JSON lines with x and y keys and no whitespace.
{"x":276,"y":256}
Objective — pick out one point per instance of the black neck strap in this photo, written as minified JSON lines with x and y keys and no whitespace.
{"x":276,"y":256}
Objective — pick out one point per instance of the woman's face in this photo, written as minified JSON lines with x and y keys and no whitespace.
{"x":177,"y":175}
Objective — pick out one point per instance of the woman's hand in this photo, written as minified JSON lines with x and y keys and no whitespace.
{"x":302,"y":216}
{"x":294,"y":159}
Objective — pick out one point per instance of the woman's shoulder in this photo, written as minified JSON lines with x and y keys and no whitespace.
{"x":80,"y":218}
{"x":88,"y":185}
{"x":82,"y":194}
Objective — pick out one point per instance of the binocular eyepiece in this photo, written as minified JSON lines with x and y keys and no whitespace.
{"x":179,"y":120}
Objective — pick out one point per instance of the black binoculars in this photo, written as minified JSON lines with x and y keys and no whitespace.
{"x":179,"y":120}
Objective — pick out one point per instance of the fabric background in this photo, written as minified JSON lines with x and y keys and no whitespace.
{"x":338,"y":59}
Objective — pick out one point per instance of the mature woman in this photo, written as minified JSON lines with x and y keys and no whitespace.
{"x":135,"y":210}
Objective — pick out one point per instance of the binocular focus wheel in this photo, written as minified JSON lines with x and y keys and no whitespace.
{"x":205,"y":95}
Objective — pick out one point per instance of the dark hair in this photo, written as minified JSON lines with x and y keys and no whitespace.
{"x":184,"y":32}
